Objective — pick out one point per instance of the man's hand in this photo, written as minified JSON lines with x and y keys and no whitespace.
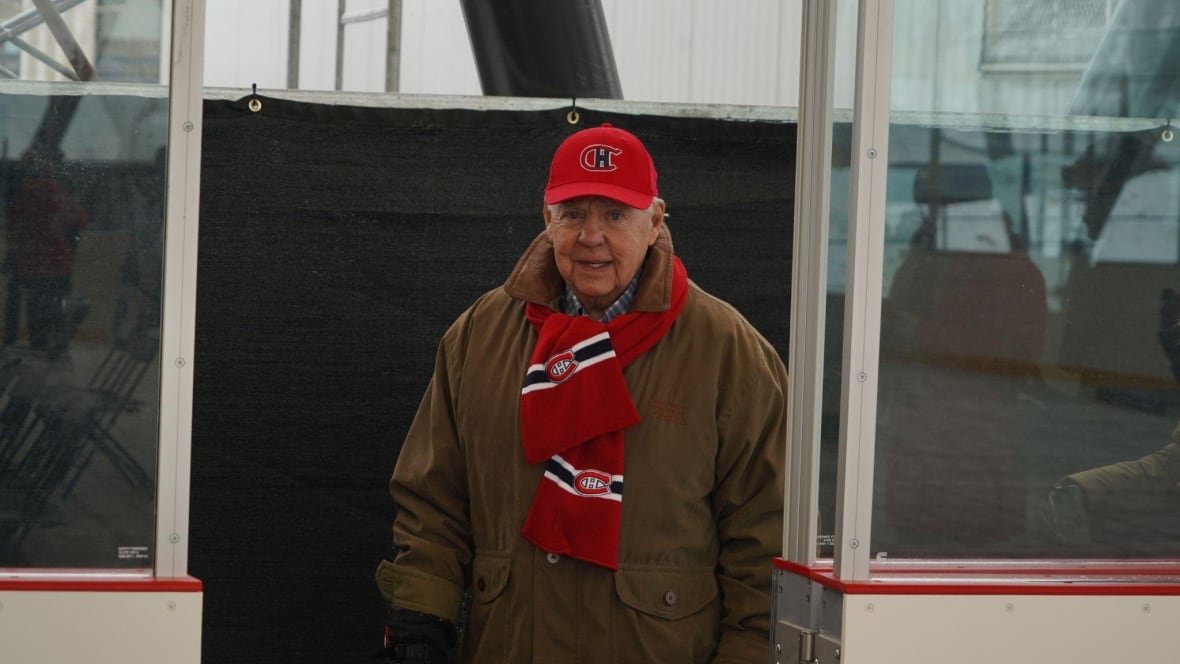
{"x":417,"y":638}
{"x":1067,"y":514}
{"x":412,"y":653}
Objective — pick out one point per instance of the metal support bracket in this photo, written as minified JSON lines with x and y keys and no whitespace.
{"x":11,"y":30}
{"x":65,"y":39}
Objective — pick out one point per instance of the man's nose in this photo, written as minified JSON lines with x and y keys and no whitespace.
{"x":591,"y":230}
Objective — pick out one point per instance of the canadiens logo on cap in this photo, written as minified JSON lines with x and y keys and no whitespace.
{"x":561,"y":366}
{"x":602,"y":161}
{"x":599,"y":157}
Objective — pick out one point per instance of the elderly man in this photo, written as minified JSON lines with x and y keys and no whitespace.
{"x":598,"y":457}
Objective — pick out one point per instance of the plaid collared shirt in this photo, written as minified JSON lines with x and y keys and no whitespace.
{"x":570,"y":304}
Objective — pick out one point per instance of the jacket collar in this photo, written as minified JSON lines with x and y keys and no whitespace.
{"x":536,"y":279}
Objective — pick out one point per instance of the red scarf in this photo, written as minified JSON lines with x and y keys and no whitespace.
{"x":573,"y":409}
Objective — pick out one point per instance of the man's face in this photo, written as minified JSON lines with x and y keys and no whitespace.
{"x":599,"y":245}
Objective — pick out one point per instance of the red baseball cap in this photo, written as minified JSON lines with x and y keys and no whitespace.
{"x":602,"y":161}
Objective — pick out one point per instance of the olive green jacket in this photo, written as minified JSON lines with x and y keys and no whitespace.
{"x":701,"y":516}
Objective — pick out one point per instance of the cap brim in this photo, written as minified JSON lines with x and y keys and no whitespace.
{"x":629,"y":197}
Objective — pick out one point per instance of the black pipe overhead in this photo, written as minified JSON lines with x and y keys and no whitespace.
{"x":542,"y":48}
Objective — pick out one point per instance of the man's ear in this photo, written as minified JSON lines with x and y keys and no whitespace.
{"x":657,"y":220}
{"x":546,"y":213}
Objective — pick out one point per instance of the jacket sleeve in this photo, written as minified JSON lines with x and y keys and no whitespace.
{"x":431,"y":531}
{"x":748,"y":504}
{"x":1128,"y":486}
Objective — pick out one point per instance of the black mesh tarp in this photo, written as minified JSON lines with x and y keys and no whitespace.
{"x":336,"y":245}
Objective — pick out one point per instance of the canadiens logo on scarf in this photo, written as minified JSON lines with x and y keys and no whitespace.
{"x":561,"y":366}
{"x":574,"y":407}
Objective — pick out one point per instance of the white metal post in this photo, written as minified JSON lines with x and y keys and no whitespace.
{"x":862,"y":309}
{"x":180,"y":286}
{"x":813,"y":175}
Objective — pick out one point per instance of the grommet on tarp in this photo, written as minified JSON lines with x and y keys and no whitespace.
{"x":573,"y":117}
{"x":255,"y":104}
{"x":1167,"y":134}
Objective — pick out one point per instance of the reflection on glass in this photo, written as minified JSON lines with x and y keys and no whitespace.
{"x":1029,"y":381}
{"x":82,"y":200}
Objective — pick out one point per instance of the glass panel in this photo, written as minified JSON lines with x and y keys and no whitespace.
{"x":82,"y":185}
{"x":1029,"y":350}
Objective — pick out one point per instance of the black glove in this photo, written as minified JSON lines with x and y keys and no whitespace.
{"x":418,"y":638}
{"x":1067,"y":513}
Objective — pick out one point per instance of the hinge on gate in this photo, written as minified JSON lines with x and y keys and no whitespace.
{"x":806,"y":647}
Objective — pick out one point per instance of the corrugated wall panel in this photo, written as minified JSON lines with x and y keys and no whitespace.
{"x":652,"y":41}
{"x":707,"y":51}
{"x":317,"y":46}
{"x":240,"y":52}
{"x":364,"y":48}
{"x":436,"y":53}
{"x":735,"y":52}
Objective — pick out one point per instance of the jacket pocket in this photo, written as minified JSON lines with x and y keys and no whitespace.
{"x":667,"y":594}
{"x":666,"y":615}
{"x":489,"y":575}
{"x":486,"y":636}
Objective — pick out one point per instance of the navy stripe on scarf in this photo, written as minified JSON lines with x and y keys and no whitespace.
{"x":599,"y":349}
